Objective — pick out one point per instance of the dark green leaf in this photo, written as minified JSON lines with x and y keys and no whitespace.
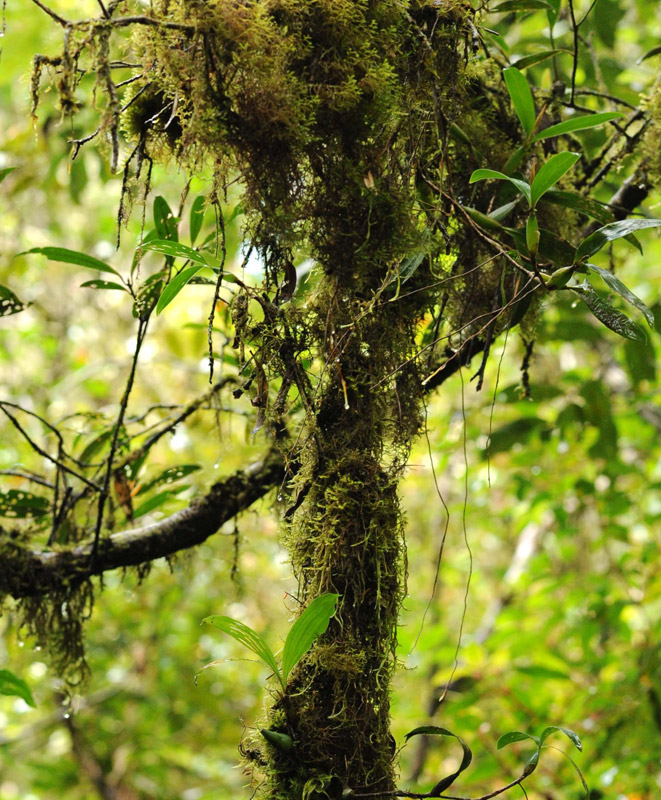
{"x":175,"y":286}
{"x":9,"y":303}
{"x":641,"y":361}
{"x":433,"y":730}
{"x":487,"y":174}
{"x":177,"y":250}
{"x":197,"y":217}
{"x":609,"y":316}
{"x":568,"y":733}
{"x":521,"y":96}
{"x":536,"y":58}
{"x":515,"y":736}
{"x":550,"y":174}
{"x":18,"y":504}
{"x":619,"y":288}
{"x":517,"y":432}
{"x":555,"y":248}
{"x":520,"y":5}
{"x":584,"y":205}
{"x":248,"y":638}
{"x":577,"y":124}
{"x":14,"y":686}
{"x":615,"y":230}
{"x":655,"y":51}
{"x":4,"y":172}
{"x":97,"y":284}
{"x":164,"y":220}
{"x":281,"y":741}
{"x":531,"y":764}
{"x":308,"y":627}
{"x":72,"y":257}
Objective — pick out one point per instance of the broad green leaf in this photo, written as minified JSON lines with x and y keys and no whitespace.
{"x":71,"y":257}
{"x":584,"y":205}
{"x":13,"y":686}
{"x":550,"y":174}
{"x":248,"y":638}
{"x":577,"y":124}
{"x":619,"y":288}
{"x":18,"y":504}
{"x":519,"y":90}
{"x":165,"y":221}
{"x":197,"y":217}
{"x":536,"y":58}
{"x":615,"y":230}
{"x":434,"y":730}
{"x":9,"y":303}
{"x":520,"y":5}
{"x":492,"y":174}
{"x":169,"y":475}
{"x":609,"y":316}
{"x":515,"y":736}
{"x":97,"y":284}
{"x":310,"y":625}
{"x":175,"y":286}
{"x":4,"y":172}
{"x":281,"y":741}
{"x":177,"y":250}
{"x":568,"y":733}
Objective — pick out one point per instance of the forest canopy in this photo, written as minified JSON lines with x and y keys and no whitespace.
{"x":333,"y":324}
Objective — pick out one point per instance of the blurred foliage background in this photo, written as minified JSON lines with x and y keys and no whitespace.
{"x":550,"y":504}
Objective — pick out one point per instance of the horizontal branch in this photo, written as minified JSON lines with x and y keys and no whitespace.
{"x":31,"y":573}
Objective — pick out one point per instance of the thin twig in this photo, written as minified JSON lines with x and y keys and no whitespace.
{"x":220,"y":219}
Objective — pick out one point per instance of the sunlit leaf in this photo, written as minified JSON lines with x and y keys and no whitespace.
{"x":609,"y":316}
{"x":18,"y":504}
{"x":308,"y":627}
{"x":169,"y":475}
{"x":521,"y":96}
{"x":175,"y":286}
{"x":177,"y":250}
{"x":536,"y":58}
{"x":4,"y":172}
{"x":619,"y":288}
{"x":515,"y":736}
{"x":610,"y":232}
{"x":13,"y":686}
{"x":573,"y":737}
{"x":72,"y":257}
{"x":577,"y":124}
{"x":550,"y":174}
{"x":492,"y":174}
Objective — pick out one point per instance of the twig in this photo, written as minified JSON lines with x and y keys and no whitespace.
{"x":220,"y":219}
{"x":28,"y":476}
{"x":123,"y":22}
{"x":575,"y":53}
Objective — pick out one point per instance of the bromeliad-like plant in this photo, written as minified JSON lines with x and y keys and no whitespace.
{"x":303,"y":633}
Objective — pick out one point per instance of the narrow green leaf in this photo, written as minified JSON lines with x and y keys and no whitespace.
{"x":4,"y":172}
{"x":169,"y":475}
{"x":9,"y":302}
{"x":584,"y":205}
{"x":531,"y":764}
{"x":310,"y":625}
{"x":434,"y":730}
{"x":488,"y":223}
{"x":609,"y":316}
{"x":532,"y":234}
{"x":522,"y":100}
{"x":515,"y":736}
{"x":152,"y":504}
{"x":248,"y":638}
{"x":175,"y":286}
{"x":492,"y":174}
{"x":550,"y":174}
{"x":520,"y":5}
{"x":655,"y":51}
{"x":97,"y":284}
{"x":615,"y":230}
{"x":71,"y":257}
{"x":165,"y":221}
{"x":573,"y":737}
{"x":536,"y":58}
{"x":177,"y":250}
{"x":197,"y":217}
{"x":619,"y":288}
{"x":577,"y":124}
{"x":502,"y":212}
{"x":13,"y":686}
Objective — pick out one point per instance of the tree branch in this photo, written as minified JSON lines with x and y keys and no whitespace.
{"x":32,"y":573}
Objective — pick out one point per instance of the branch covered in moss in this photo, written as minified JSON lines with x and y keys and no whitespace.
{"x":31,"y":573}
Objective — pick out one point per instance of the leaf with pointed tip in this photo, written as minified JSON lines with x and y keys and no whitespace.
{"x":615,"y":230}
{"x":71,"y":257}
{"x":619,"y":288}
{"x":536,"y":58}
{"x":197,"y":217}
{"x":488,"y":223}
{"x":9,"y":302}
{"x":609,"y":316}
{"x":434,"y":730}
{"x":584,"y":205}
{"x":573,"y":737}
{"x":550,"y":174}
{"x":515,"y":736}
{"x":177,"y":250}
{"x":655,"y":51}
{"x":492,"y":174}
{"x":281,"y":741}
{"x":165,"y":221}
{"x":97,"y":284}
{"x":248,"y":638}
{"x":4,"y":172}
{"x":175,"y":286}
{"x":13,"y":686}
{"x":521,"y":96}
{"x":577,"y":124}
{"x":531,"y":764}
{"x":308,"y":627}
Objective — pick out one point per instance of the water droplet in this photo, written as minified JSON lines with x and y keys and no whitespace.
{"x":21,"y":644}
{"x":279,"y":498}
{"x":67,"y":715}
{"x":215,"y":466}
